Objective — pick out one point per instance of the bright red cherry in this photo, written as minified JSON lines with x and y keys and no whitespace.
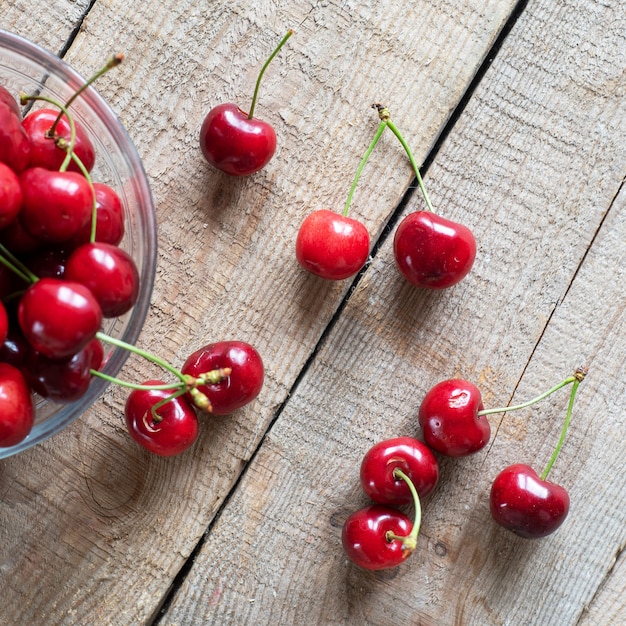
{"x":14,"y":144}
{"x":240,"y":387}
{"x":410,"y":455}
{"x":527,"y":505}
{"x":56,"y":205}
{"x":110,"y":274}
{"x":450,"y":421}
{"x":367,"y":537}
{"x":58,"y":317}
{"x":10,"y":195}
{"x":332,"y":245}
{"x":433,"y":252}
{"x":172,"y":431}
{"x":17,"y":411}
{"x":43,"y":149}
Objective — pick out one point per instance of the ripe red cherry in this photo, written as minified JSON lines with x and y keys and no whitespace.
{"x":10,"y":195}
{"x":43,"y":150}
{"x":242,"y":385}
{"x":332,"y":245}
{"x":366,"y":537}
{"x":449,"y":418}
{"x":433,"y":252}
{"x":410,"y":455}
{"x":109,"y":218}
{"x":173,"y":432}
{"x":17,"y":411}
{"x":56,"y":205}
{"x":110,"y":274}
{"x":58,"y":317}
{"x":523,"y":503}
{"x":8,"y":100}
{"x":14,"y":144}
{"x":235,"y":144}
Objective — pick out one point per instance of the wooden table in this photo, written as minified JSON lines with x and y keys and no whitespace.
{"x":517,"y":111}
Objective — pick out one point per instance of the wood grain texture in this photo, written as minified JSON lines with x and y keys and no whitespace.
{"x":535,"y":166}
{"x":94,"y":529}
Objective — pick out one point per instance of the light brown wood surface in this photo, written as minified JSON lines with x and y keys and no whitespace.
{"x":95,"y":531}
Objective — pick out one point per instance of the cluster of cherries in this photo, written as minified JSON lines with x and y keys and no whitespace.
{"x":62,"y":272}
{"x":430,"y":252}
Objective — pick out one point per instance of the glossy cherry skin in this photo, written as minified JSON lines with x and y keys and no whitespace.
{"x":433,"y":252}
{"x":56,"y":205}
{"x":109,"y":218}
{"x":174,"y":433}
{"x":14,"y":144}
{"x":10,"y":195}
{"x":17,"y":410}
{"x":7,"y":99}
{"x":364,"y":537}
{"x":411,"y":456}
{"x":235,"y":144}
{"x":331,"y":245}
{"x":110,"y":274}
{"x":523,"y":503}
{"x":449,"y":418}
{"x":43,"y":150}
{"x":242,"y":385}
{"x":58,"y":317}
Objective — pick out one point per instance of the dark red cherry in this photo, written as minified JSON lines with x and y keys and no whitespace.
{"x":449,"y":418}
{"x":109,"y":218}
{"x":44,"y":151}
{"x":56,"y":205}
{"x":523,"y":503}
{"x":332,"y":245}
{"x":15,"y":238}
{"x":365,"y":537}
{"x":10,"y":195}
{"x":58,"y":317}
{"x":47,"y":262}
{"x":242,"y":385}
{"x":410,"y":455}
{"x":17,"y":411}
{"x":14,"y":144}
{"x":173,"y":431}
{"x":110,"y":274}
{"x":433,"y":252}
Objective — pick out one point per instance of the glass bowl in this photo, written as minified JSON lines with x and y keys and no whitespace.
{"x":25,"y":67}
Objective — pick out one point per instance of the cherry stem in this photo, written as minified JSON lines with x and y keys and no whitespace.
{"x":568,"y":381}
{"x":381,"y":127}
{"x":129,"y":385}
{"x":155,"y":407}
{"x":409,"y":542}
{"x":383,"y":114}
{"x":258,"y":80}
{"x":578,"y":378}
{"x":9,"y":260}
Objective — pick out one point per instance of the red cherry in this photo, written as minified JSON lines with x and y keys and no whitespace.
{"x":413,"y":457}
{"x":527,"y":505}
{"x":56,"y":205}
{"x":14,"y":144}
{"x":240,"y":387}
{"x":109,"y":218}
{"x":7,"y":99}
{"x":16,"y":239}
{"x":175,"y":430}
{"x":43,"y":150}
{"x":15,"y":348}
{"x":332,"y":245}
{"x":110,"y":274}
{"x":10,"y":195}
{"x":58,"y":317}
{"x":449,"y":418}
{"x":365,"y":537}
{"x":433,"y":252}
{"x":17,"y":411}
{"x":48,"y":262}
{"x":235,"y":144}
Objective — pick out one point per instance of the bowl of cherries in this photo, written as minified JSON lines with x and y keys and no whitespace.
{"x":78,"y":243}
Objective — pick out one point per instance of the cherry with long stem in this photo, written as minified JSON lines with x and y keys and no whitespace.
{"x":409,"y":542}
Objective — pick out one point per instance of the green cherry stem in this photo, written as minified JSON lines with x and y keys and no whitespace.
{"x":9,"y":260}
{"x":409,"y":542}
{"x":578,"y":378}
{"x":381,"y":127}
{"x":384,"y":114}
{"x":258,"y":80}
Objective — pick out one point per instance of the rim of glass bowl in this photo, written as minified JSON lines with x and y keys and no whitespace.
{"x":145,"y":239}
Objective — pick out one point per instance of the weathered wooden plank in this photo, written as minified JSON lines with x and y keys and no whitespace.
{"x":93,"y":529}
{"x":534,"y":167}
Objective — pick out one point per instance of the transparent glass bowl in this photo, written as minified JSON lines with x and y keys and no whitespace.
{"x":25,"y":67}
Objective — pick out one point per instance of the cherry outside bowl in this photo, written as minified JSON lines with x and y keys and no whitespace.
{"x":25,"y":67}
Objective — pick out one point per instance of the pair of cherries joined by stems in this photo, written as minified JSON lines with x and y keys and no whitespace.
{"x":430,"y":251}
{"x":397,"y":471}
{"x":62,"y":272}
